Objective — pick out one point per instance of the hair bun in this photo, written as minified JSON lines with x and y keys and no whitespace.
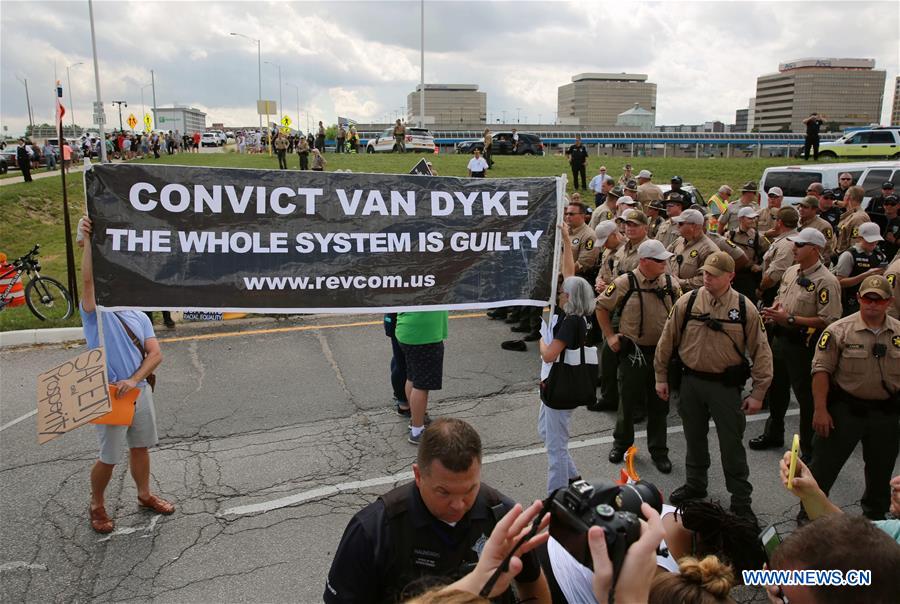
{"x":710,"y":573}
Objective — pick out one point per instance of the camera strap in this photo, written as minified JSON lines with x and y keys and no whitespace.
{"x":504,"y":566}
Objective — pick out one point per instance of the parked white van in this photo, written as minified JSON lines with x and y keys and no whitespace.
{"x":794,"y":180}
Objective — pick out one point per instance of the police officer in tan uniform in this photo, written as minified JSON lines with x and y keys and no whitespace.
{"x":856,"y":389}
{"x":710,"y":330}
{"x":853,"y":217}
{"x":892,"y":274}
{"x":690,"y":250}
{"x":583,"y":240}
{"x":808,"y":300}
{"x":765,"y":224}
{"x":779,"y":256}
{"x":608,"y":210}
{"x":656,"y":214}
{"x":667,"y":232}
{"x":754,"y":245}
{"x":647,"y":192}
{"x":626,"y":257}
{"x":729,"y":218}
{"x":809,"y":218}
{"x":611,"y":240}
{"x":643,"y":296}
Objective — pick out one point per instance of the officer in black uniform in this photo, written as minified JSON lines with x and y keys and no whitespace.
{"x":577,"y":155}
{"x":875,"y":209}
{"x":676,"y":188}
{"x":828,"y":211}
{"x":428,"y":532}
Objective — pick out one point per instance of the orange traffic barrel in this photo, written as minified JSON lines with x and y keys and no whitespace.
{"x":17,"y":293}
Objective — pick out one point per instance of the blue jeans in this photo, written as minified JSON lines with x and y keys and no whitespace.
{"x":553,"y":428}
{"x":398,"y":371}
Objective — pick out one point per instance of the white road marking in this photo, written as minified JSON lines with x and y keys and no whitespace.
{"x":20,"y":564}
{"x":281,"y":502}
{"x":133,"y":529}
{"x":17,"y":420}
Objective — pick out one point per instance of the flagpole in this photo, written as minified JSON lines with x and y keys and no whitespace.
{"x":70,"y":252}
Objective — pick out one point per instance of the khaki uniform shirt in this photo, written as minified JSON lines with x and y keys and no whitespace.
{"x":583,"y":248}
{"x":727,"y":246}
{"x":703,"y":349}
{"x":766,"y":220}
{"x":648,"y":192}
{"x":600,"y":214}
{"x":729,"y":218}
{"x":778,"y":257}
{"x":821,"y":225}
{"x":844,"y":351}
{"x":820,"y":298}
{"x":626,"y":258}
{"x":745,"y":241}
{"x":667,"y":233}
{"x":653,"y":228}
{"x":692,"y":256}
{"x":848,"y":229}
{"x":644,"y":314}
{"x":892,"y":274}
{"x":608,"y":266}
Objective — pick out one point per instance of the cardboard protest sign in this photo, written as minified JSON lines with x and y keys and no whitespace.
{"x":72,"y":394}
{"x":281,"y":241}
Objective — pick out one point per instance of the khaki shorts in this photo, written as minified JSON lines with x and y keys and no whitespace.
{"x":141,"y":433}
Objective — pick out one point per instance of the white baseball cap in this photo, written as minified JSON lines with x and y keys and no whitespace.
{"x":775,"y":191}
{"x":645,"y":174}
{"x":603,"y":230}
{"x":626,"y":200}
{"x":653,"y":248}
{"x":870,"y":232}
{"x":748,"y":212}
{"x":809,"y":235}
{"x":690,"y":217}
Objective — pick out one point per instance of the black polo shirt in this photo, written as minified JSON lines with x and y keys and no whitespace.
{"x":368,"y":567}
{"x":578,"y":153}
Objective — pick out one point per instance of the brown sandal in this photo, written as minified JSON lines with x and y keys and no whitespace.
{"x":158,"y":505}
{"x":100,"y":522}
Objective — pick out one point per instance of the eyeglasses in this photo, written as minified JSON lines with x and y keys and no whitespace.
{"x":878,"y":301}
{"x":800,"y":244}
{"x":573,"y":213}
{"x":657,"y":260}
{"x":846,"y":179}
{"x":776,"y":195}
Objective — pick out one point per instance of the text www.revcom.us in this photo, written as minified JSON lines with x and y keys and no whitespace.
{"x":336,"y":282}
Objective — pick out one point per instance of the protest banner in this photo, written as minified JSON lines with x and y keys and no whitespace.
{"x":72,"y":394}
{"x":238,"y":240}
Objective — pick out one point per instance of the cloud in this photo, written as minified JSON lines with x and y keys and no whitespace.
{"x":361,"y":59}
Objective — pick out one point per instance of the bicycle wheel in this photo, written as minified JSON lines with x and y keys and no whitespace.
{"x":48,"y":299}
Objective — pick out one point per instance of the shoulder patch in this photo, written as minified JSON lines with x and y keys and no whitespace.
{"x":610,"y":289}
{"x":589,"y":245}
{"x":824,"y":340}
{"x":762,"y":324}
{"x":855,"y":232}
{"x":896,"y":341}
{"x":829,"y":233}
{"x":892,"y":279}
{"x":730,"y":242}
{"x":693,"y":254}
{"x":823,"y":296}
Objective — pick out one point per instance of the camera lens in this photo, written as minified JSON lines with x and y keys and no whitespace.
{"x":633,"y":494}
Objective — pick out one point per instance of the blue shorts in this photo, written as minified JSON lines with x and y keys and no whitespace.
{"x":141,"y":433}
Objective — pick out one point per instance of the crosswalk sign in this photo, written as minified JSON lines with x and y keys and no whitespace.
{"x":286,"y":121}
{"x":148,"y":122}
{"x":132,"y":121}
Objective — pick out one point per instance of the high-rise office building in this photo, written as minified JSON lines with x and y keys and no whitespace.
{"x":448,"y":105}
{"x":597,"y":99}
{"x":740,"y":120}
{"x":848,"y":92}
{"x":895,"y":108}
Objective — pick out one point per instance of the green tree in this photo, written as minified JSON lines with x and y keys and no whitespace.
{"x":331,"y":132}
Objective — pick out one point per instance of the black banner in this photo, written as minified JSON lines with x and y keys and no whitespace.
{"x":230,"y":239}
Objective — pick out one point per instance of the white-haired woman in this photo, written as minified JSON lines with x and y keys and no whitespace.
{"x":568,"y":329}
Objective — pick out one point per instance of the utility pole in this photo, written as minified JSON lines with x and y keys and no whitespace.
{"x":27,"y":101}
{"x":69,"y":84}
{"x":297,"y":89}
{"x":259,"y":74}
{"x":422,"y":69}
{"x":518,"y":112}
{"x":98,"y":106}
{"x":153,"y":83}
{"x":280,"y":104}
{"x":120,"y":103}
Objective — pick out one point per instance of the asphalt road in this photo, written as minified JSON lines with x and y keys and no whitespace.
{"x":271,"y":438}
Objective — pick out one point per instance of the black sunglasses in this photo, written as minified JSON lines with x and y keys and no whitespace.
{"x":800,"y":244}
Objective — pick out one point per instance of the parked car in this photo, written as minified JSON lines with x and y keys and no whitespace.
{"x":697,"y":196}
{"x":417,"y":139}
{"x":210,"y":139}
{"x":881,"y":142}
{"x":7,"y":159}
{"x":529,"y":144}
{"x":795,"y":179}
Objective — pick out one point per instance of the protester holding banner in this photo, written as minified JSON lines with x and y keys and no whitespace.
{"x":132,"y":353}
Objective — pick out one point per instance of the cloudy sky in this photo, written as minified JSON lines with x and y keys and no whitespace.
{"x":361,"y":59}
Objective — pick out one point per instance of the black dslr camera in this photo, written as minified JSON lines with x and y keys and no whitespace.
{"x":616,"y":508}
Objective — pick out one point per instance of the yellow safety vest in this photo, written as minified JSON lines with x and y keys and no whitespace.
{"x":713,"y":224}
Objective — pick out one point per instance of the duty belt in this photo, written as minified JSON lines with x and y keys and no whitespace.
{"x":862,"y":406}
{"x":703,"y":375}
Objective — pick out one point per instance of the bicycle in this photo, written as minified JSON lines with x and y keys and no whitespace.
{"x":46,"y":297}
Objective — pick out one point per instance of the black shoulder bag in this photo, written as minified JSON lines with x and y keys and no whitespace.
{"x":570,"y":386}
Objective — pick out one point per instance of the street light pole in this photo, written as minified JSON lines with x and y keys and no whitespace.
{"x":153,"y":83}
{"x":120,"y":103}
{"x":27,"y":101}
{"x":98,"y":106}
{"x":280,"y":105}
{"x":259,"y":73}
{"x":297,"y":89}
{"x":69,"y":84}
{"x":143,"y":110}
{"x":422,"y":69}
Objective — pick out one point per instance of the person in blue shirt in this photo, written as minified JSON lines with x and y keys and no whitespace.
{"x":132,"y":354}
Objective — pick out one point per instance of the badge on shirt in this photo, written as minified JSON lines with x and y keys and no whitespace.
{"x":823,"y":296}
{"x":576,"y":241}
{"x":589,"y":245}
{"x":479,"y":545}
{"x":823,"y":340}
{"x":693,"y":254}
{"x":734,"y":314}
{"x":610,"y":289}
{"x":896,"y":341}
{"x":811,"y":287}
